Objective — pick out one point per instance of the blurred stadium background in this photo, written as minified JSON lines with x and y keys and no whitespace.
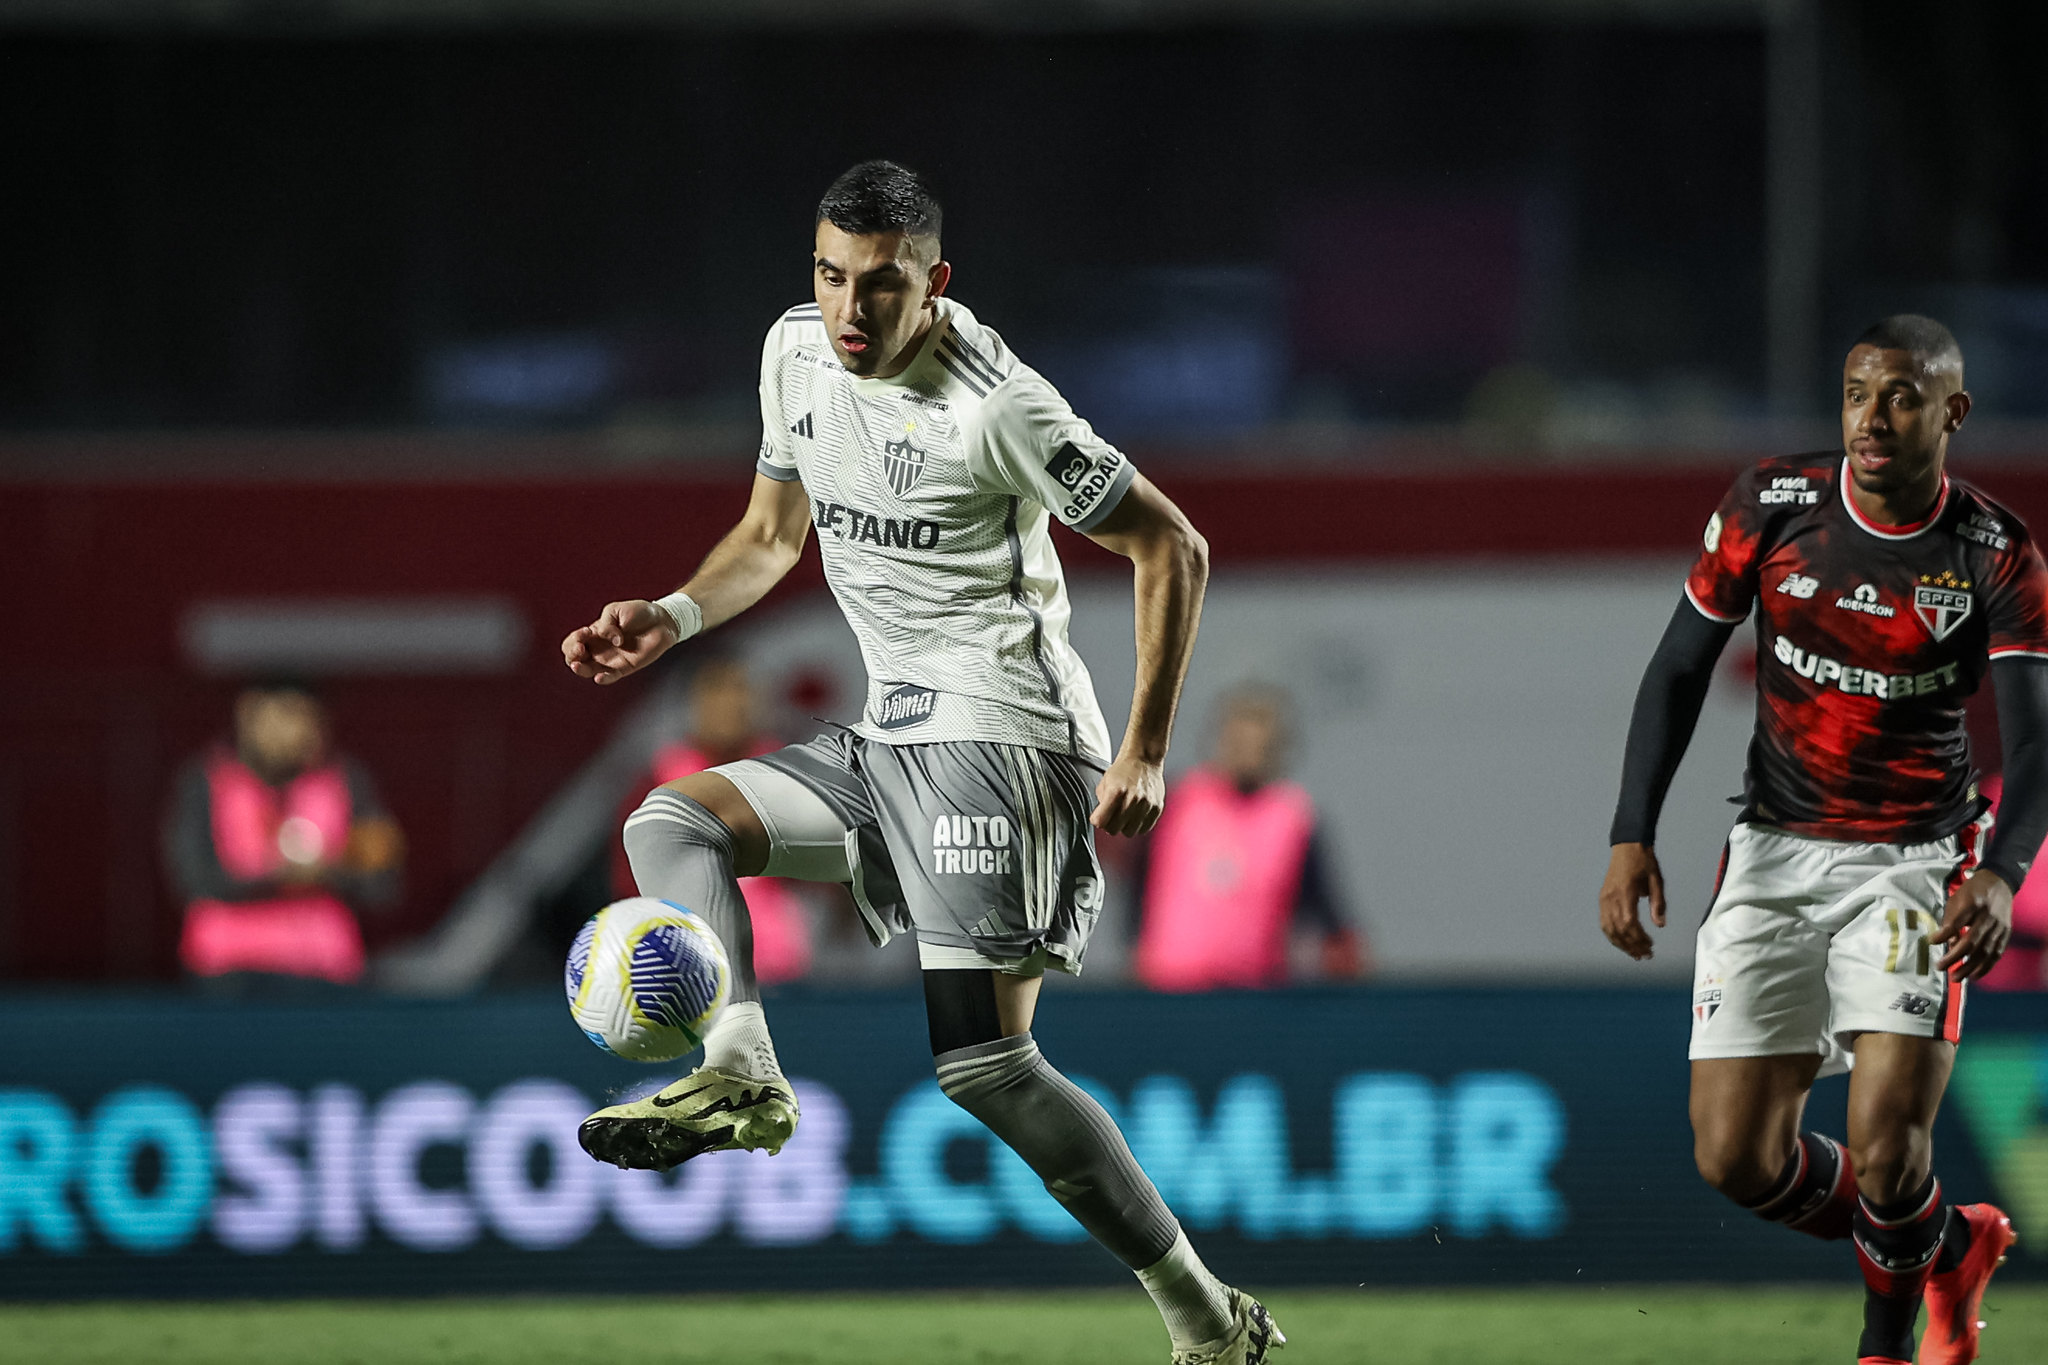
{"x":377,"y":343}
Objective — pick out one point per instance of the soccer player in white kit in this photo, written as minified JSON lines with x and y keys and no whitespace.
{"x":962,"y":808}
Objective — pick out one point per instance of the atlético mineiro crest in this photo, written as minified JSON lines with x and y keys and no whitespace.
{"x":903,"y":462}
{"x":1942,"y":601}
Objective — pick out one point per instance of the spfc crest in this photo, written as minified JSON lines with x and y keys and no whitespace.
{"x":1942,"y":602}
{"x":904,"y":464}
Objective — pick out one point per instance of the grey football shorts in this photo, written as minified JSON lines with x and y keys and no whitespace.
{"x":982,"y":850}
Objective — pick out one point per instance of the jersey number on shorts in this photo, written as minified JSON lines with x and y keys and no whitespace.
{"x":1912,"y":924}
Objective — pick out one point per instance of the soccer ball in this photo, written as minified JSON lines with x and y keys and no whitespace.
{"x":645,"y":979}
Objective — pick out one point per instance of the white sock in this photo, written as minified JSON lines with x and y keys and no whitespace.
{"x":1195,"y":1304}
{"x":738,"y":1041}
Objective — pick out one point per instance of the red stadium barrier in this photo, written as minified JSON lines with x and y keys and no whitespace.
{"x":98,"y":706}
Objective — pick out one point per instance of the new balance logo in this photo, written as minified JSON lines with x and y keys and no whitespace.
{"x":803,"y":427}
{"x":1799,"y":585}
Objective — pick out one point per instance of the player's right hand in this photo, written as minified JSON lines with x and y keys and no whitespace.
{"x":1632,"y":874}
{"x":625,"y":638}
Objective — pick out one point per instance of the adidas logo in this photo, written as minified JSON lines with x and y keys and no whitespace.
{"x":803,"y":427}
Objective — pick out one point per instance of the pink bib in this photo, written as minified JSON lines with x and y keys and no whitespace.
{"x":303,"y":933}
{"x":1225,"y":870}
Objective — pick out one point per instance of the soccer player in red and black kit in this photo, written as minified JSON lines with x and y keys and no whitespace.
{"x":1862,"y":887}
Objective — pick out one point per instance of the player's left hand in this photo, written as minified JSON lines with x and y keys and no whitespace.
{"x":1978,"y":921}
{"x":1129,"y":797}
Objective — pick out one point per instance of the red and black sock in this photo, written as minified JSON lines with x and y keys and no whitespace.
{"x":1896,"y":1245}
{"x":1955,"y":1242}
{"x":1816,"y":1192}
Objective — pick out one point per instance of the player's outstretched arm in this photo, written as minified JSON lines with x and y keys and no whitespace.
{"x":752,"y":558}
{"x":1171,"y":569}
{"x":1667,"y":708}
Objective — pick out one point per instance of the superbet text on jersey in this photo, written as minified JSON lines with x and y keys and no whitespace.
{"x":1869,"y":640}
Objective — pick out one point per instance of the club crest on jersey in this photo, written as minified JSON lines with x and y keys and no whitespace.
{"x":1942,"y":602}
{"x":903,"y":463}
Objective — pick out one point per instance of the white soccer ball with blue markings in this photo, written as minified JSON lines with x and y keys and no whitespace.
{"x":645,"y":978}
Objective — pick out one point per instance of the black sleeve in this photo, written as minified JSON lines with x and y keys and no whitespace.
{"x":376,"y":890}
{"x":189,"y":856}
{"x":1315,"y":904}
{"x":1667,"y":707}
{"x":2022,"y":688}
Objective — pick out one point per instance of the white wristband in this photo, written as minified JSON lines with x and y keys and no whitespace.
{"x":683,"y":613}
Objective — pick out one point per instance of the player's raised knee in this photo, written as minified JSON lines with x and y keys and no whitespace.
{"x":666,"y":818}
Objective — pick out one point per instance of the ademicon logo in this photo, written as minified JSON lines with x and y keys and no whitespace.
{"x":434,"y":1168}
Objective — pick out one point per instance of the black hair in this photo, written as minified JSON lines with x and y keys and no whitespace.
{"x":1257,"y":693}
{"x":1932,"y":345}
{"x":881,"y":196}
{"x":272,"y":684}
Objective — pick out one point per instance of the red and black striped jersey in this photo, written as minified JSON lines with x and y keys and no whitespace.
{"x":1869,"y":639}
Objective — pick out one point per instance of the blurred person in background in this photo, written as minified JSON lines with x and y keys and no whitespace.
{"x":276,"y":843}
{"x":723,"y":729}
{"x":2026,"y":953}
{"x":1237,"y":864}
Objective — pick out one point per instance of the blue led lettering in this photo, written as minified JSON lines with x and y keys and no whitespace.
{"x":127,"y":1121}
{"x":1385,"y":1128}
{"x":1505,"y":1129}
{"x":913,"y":1169}
{"x":1239,"y":1165}
{"x":35,"y":1158}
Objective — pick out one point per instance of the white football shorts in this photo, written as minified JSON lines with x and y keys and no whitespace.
{"x":1812,"y":941}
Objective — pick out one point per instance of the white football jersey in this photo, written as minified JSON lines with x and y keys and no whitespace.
{"x":930,"y":493}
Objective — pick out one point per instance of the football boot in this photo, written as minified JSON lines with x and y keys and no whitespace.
{"x":1954,"y":1299}
{"x":1252,"y":1338}
{"x":709,"y":1110}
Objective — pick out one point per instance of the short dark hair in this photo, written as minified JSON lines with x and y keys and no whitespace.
{"x":1256,"y":694}
{"x":275,"y":684}
{"x":1930,"y":343}
{"x":881,"y":196}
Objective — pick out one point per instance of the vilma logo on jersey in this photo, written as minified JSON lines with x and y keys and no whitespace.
{"x":1942,"y":601}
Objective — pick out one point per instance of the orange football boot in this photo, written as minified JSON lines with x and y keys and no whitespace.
{"x":1954,"y":1299}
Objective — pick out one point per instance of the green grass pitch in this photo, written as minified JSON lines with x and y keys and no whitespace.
{"x":1617,"y":1326}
